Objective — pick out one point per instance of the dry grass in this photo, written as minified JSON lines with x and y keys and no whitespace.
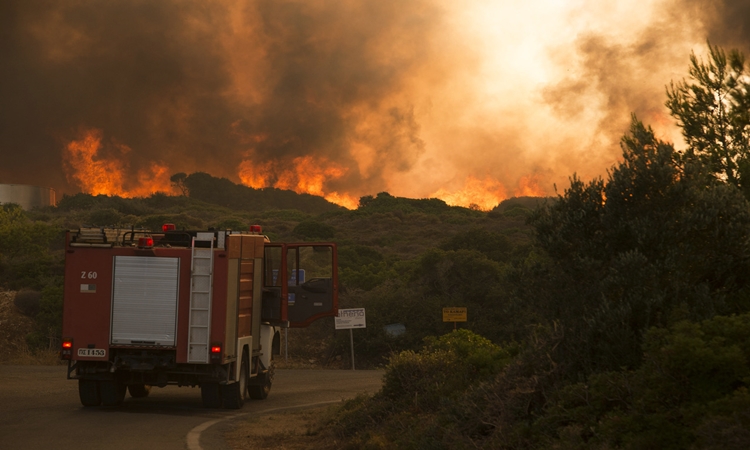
{"x":293,"y":430}
{"x":24,"y":357}
{"x":14,"y":326}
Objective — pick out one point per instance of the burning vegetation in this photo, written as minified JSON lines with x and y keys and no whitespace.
{"x":99,"y":169}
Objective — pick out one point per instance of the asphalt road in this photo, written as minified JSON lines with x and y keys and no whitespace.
{"x":40,"y":409}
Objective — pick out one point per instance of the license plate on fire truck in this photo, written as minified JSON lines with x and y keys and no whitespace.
{"x":92,"y":352}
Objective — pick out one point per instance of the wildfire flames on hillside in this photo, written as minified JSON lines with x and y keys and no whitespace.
{"x":105,"y":169}
{"x":88,"y":165}
{"x":303,"y":175}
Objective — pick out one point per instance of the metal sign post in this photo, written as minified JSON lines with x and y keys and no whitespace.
{"x":351,"y":344}
{"x":349,"y":319}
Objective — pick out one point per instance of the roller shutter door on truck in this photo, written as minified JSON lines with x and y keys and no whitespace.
{"x":144,"y":300}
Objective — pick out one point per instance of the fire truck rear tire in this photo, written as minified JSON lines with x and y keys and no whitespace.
{"x":112,"y":392}
{"x":233,"y":398}
{"x":139,"y":390}
{"x":211,"y":395}
{"x":261,"y":387}
{"x":88,"y":391}
{"x":234,"y":394}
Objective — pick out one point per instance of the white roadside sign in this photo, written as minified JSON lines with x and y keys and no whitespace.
{"x":351,"y":318}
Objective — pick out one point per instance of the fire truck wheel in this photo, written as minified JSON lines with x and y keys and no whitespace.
{"x":211,"y":395}
{"x":262,"y":386}
{"x":112,"y":392}
{"x":139,"y":390}
{"x":88,"y":391}
{"x":234,"y":394}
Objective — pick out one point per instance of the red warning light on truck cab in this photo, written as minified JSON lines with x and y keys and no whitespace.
{"x":256,"y":229}
{"x":167,"y":227}
{"x":145,"y":242}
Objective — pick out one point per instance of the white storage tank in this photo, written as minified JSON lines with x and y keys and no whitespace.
{"x":27,"y":196}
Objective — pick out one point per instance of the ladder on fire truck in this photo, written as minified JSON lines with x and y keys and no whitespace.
{"x":201,"y":286}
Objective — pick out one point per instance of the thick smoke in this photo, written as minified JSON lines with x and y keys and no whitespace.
{"x":337,"y":77}
{"x":136,"y":70}
{"x":617,"y":77}
{"x":204,"y":85}
{"x":411,"y":97}
{"x":730,"y":26}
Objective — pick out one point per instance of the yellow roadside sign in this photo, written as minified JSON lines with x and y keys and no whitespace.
{"x":454,"y":314}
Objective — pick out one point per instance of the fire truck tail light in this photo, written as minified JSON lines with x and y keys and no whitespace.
{"x":216,"y":352}
{"x":145,"y":242}
{"x":67,"y":349}
{"x":167,"y":227}
{"x":256,"y":229}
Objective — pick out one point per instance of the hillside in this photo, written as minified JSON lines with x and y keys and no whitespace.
{"x":223,"y":192}
{"x":379,"y":243}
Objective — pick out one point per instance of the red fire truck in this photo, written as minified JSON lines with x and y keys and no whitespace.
{"x":186,"y":308}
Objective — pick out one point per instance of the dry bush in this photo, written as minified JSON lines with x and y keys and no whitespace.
{"x":28,"y":301}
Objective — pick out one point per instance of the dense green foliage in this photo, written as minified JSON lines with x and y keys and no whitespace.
{"x":691,"y":388}
{"x":657,"y":241}
{"x":460,"y":392}
{"x":416,"y":383}
{"x":30,"y":250}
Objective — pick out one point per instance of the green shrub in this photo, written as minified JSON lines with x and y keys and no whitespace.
{"x":104,"y":217}
{"x":312,"y":230}
{"x":28,"y":301}
{"x":48,"y":327}
{"x":690,"y":389}
{"x":445,"y":368}
{"x":181,"y":222}
{"x":232,"y":223}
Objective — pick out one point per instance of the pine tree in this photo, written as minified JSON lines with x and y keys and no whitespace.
{"x":713,"y":110}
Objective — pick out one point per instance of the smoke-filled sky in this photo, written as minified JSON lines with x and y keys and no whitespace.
{"x":471,"y":101}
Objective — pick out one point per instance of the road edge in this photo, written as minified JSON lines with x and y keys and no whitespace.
{"x":193,"y":438}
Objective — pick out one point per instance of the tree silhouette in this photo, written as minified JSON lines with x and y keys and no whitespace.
{"x":713,"y":109}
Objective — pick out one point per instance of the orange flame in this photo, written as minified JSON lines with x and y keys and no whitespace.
{"x":303,"y":175}
{"x":95,"y":173}
{"x":487,"y":193}
{"x":528,"y":186}
{"x":476,"y":194}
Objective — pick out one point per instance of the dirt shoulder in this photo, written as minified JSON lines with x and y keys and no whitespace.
{"x":290,"y":430}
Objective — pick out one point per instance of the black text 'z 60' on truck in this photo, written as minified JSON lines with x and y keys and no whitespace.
{"x":186,"y":308}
